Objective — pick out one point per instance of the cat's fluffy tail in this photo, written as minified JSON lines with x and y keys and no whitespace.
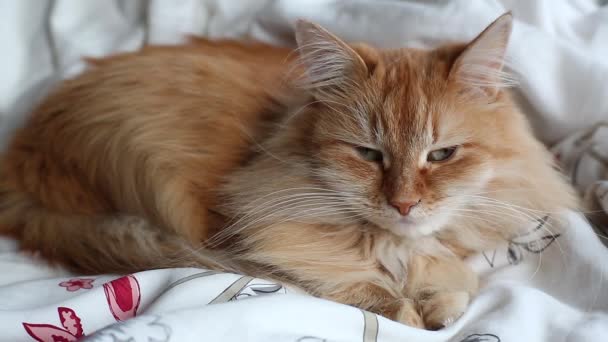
{"x":99,"y":244}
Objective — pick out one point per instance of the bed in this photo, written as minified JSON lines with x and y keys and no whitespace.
{"x":548,"y":284}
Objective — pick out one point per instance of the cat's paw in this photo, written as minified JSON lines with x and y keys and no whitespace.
{"x":441,"y":309}
{"x":408,"y":315}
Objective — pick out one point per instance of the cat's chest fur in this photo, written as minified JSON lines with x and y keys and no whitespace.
{"x":393,"y":253}
{"x":367,"y":254}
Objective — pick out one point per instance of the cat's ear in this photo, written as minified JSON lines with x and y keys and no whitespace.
{"x":480,"y":65}
{"x":331,"y":68}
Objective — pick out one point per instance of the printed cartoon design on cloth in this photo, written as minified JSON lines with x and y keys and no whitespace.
{"x":76,"y":284}
{"x":123,"y":297}
{"x":584,"y":158}
{"x":535,"y":240}
{"x":258,"y":287}
{"x":146,"y":328}
{"x":481,"y":338}
{"x":71,"y":331}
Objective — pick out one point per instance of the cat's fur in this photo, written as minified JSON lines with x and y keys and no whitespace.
{"x":127,"y":166}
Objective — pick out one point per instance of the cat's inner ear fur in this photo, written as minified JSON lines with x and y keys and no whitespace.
{"x":331,"y":68}
{"x":481,"y":65}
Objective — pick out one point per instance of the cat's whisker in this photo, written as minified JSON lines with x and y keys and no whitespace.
{"x":563,"y":254}
{"x":295,"y":217}
{"x":457,"y":214}
{"x":287,"y":199}
{"x":264,"y":212}
{"x":277,"y":201}
{"x":291,"y":199}
{"x":555,"y":235}
{"x":295,"y":189}
{"x":265,"y":196}
{"x":263,"y":208}
{"x":478,"y":194}
{"x":267,"y":203}
{"x":540,"y":259}
{"x":516,"y":209}
{"x":528,"y":212}
{"x":545,"y":225}
{"x":252,"y":206}
{"x":231,"y":231}
{"x":489,"y":199}
{"x":313,"y":213}
{"x":511,"y":212}
{"x":309,"y":205}
{"x":495,"y":213}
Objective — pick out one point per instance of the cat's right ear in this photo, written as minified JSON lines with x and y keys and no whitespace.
{"x":331,"y":68}
{"x":480,"y":65}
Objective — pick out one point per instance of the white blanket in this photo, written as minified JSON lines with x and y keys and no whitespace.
{"x":546,"y":285}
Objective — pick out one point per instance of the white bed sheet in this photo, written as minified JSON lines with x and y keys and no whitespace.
{"x":559,"y":51}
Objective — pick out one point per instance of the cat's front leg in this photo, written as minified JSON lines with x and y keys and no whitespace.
{"x":407,"y":314}
{"x":383,"y":301}
{"x":440,"y":307}
{"x":442,"y":288}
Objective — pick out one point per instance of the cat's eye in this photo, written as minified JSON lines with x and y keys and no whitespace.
{"x":370,"y":154}
{"x":442,"y":154}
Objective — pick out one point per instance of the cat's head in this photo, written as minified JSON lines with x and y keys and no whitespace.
{"x":409,"y":138}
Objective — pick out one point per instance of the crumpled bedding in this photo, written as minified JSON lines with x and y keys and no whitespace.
{"x":547,"y":284}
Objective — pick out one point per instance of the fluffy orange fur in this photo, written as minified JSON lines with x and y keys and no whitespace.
{"x":361,"y":175}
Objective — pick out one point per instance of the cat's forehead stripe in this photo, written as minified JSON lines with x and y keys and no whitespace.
{"x":401,"y":116}
{"x":431,"y":124}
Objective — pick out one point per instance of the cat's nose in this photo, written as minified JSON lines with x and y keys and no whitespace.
{"x":404,"y":207}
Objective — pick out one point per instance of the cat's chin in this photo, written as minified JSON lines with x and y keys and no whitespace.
{"x":412,"y":229}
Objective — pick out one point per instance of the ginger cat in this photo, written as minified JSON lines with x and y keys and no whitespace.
{"x":361,"y":175}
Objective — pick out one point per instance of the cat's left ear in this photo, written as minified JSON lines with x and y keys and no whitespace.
{"x":480,"y":65}
{"x":332,"y":69}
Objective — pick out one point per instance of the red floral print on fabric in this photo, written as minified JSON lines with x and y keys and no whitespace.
{"x":123,"y":297}
{"x":77,"y":284}
{"x":71,"y":331}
